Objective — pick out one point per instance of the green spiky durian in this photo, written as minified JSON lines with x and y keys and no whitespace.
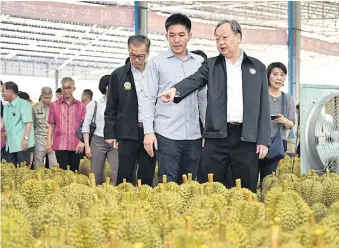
{"x":312,"y":191}
{"x":320,"y":211}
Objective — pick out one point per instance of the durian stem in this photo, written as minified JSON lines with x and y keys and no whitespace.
{"x":204,"y":246}
{"x":184,"y":178}
{"x":189,"y":177}
{"x":277,"y":221}
{"x":74,"y":179}
{"x":248,"y":197}
{"x":46,"y":232}
{"x":68,"y":167}
{"x":62,"y":235}
{"x":6,"y":190}
{"x":312,"y":172}
{"x":275,"y":237}
{"x":311,"y":219}
{"x":76,"y":172}
{"x":164,"y":179}
{"x":161,"y":188}
{"x":92,"y":183}
{"x":17,"y":166}
{"x":124,"y":180}
{"x":112,"y":239}
{"x":189,"y":224}
{"x":319,"y":236}
{"x":238,"y":183}
{"x":138,"y":245}
{"x":168,"y":244}
{"x":327,"y":172}
{"x":285,"y":186}
{"x":139,"y":183}
{"x":210,"y":178}
{"x":273,"y":174}
{"x":222,"y":231}
{"x":57,"y":167}
{"x":108,"y":180}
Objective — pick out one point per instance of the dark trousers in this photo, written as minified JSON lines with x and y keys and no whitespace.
{"x":18,"y":157}
{"x":70,"y":158}
{"x":177,"y":157}
{"x":267,"y":166}
{"x":130,"y":153}
{"x":229,"y":159}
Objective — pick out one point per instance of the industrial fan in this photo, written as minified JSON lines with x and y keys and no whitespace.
{"x":319,"y":128}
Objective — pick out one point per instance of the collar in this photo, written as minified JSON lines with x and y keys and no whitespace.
{"x":14,"y":102}
{"x":133,"y":69}
{"x":170,"y":53}
{"x":62,"y":100}
{"x":239,"y":60}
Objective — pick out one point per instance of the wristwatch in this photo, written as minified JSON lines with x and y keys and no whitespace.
{"x":26,"y":137}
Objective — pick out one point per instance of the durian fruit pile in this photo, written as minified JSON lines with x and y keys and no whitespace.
{"x":54,"y":208}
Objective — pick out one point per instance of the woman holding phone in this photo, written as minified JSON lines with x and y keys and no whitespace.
{"x":282,"y":113}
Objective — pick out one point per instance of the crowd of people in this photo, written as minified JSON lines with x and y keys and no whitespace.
{"x":180,"y":110}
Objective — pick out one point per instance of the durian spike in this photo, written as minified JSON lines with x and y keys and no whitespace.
{"x":189,"y":177}
{"x":161,"y":187}
{"x":108,"y":180}
{"x":210,"y":177}
{"x":164,"y":179}
{"x":68,"y":167}
{"x":62,"y":235}
{"x":189,"y":226}
{"x":184,"y":178}
{"x":124,"y":180}
{"x":82,"y":210}
{"x":138,"y":245}
{"x":222,"y":231}
{"x":209,"y":191}
{"x":238,"y":183}
{"x":319,"y":238}
{"x":6,"y":190}
{"x":112,"y":239}
{"x":139,"y":183}
{"x":275,"y":237}
{"x":311,"y":219}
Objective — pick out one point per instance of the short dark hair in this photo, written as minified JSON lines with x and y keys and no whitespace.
{"x":298,"y":106}
{"x":12,"y":86}
{"x":59,"y":90}
{"x":235,"y":26}
{"x":178,"y":19}
{"x":24,"y":95}
{"x":275,"y":65}
{"x":139,"y":40}
{"x":127,"y":61}
{"x":199,"y":52}
{"x":104,"y":81}
{"x":89,"y":93}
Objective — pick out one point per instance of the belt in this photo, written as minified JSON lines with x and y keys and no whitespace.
{"x":140,"y":124}
{"x":234,"y":124}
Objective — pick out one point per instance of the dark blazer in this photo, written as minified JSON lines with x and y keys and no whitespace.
{"x":121,"y":114}
{"x":256,"y":116}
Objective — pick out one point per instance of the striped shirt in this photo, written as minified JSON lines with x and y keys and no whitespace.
{"x":66,"y":118}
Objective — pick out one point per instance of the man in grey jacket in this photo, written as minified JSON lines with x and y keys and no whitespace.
{"x":237,"y":128}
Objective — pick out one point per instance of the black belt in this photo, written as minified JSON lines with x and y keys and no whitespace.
{"x":234,"y":125}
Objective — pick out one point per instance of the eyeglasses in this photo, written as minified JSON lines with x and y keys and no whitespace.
{"x":67,"y":88}
{"x":140,"y":56}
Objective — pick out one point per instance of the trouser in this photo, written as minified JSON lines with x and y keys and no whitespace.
{"x":267,"y":166}
{"x":177,"y":157}
{"x":230,"y":159}
{"x":132,"y":152}
{"x":19,"y":157}
{"x":70,"y":158}
{"x":100,"y":152}
{"x":40,"y":152}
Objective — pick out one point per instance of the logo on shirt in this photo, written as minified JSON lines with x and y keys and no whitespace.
{"x":252,"y":71}
{"x":127,"y":86}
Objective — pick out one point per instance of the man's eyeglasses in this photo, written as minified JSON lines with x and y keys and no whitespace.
{"x":140,"y":56}
{"x":67,"y":88}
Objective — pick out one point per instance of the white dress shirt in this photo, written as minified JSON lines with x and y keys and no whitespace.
{"x":138,"y":80}
{"x":100,"y":117}
{"x":234,"y":90}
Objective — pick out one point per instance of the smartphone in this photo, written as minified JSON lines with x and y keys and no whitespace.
{"x":274,"y":117}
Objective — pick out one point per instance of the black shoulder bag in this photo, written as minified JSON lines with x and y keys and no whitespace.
{"x":92,"y":127}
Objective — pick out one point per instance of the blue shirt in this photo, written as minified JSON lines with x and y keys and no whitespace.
{"x":173,"y":121}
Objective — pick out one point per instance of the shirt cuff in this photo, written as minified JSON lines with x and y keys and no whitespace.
{"x":148,"y":128}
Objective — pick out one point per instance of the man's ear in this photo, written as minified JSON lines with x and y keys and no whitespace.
{"x":189,"y":36}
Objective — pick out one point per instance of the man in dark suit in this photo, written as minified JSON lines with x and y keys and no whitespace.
{"x":237,"y":128}
{"x":123,"y":118}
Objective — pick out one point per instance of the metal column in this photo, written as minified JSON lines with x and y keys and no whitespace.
{"x":56,"y":79}
{"x":140,"y":18}
{"x":294,"y":46}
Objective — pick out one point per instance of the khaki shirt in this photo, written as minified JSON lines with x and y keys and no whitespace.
{"x":40,"y":117}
